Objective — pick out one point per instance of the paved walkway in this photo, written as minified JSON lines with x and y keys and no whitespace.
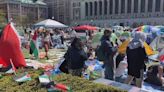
{"x":122,"y":86}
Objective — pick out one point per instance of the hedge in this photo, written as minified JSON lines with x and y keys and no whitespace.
{"x":7,"y":84}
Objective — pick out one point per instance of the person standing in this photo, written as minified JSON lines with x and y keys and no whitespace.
{"x":109,"y":52}
{"x":136,"y":56}
{"x":76,"y":57}
{"x":47,"y":43}
{"x":62,"y":37}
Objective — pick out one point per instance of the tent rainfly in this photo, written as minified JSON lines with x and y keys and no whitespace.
{"x":85,"y":27}
{"x":49,"y":23}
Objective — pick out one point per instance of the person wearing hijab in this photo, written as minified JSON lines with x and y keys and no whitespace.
{"x":76,"y":57}
{"x":136,"y":57}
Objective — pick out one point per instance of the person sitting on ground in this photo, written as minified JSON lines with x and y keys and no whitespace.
{"x":155,"y":75}
{"x":91,"y":54}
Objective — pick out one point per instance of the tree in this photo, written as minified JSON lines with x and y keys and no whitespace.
{"x":3,"y":19}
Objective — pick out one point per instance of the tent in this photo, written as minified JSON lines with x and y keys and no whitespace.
{"x":85,"y":27}
{"x":49,"y":23}
{"x":159,"y":30}
{"x":123,"y":46}
{"x":158,"y":43}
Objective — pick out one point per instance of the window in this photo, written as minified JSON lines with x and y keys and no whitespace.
{"x":79,"y":3}
{"x":163,"y":6}
{"x":111,"y":7}
{"x":86,"y":9}
{"x":129,"y":6}
{"x":136,"y":6}
{"x":91,"y":8}
{"x":105,"y":7}
{"x":122,"y":6}
{"x":142,"y":6}
{"x":150,"y":4}
{"x":157,"y":5}
{"x":74,"y":4}
{"x":100,"y":8}
{"x":95,"y":7}
{"x":116,"y":6}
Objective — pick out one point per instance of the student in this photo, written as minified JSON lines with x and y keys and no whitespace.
{"x":109,"y":52}
{"x":136,"y":57}
{"x":47,"y":43}
{"x":155,"y":75}
{"x":76,"y":57}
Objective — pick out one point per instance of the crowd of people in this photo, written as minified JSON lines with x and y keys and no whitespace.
{"x":47,"y":38}
{"x":115,"y":63}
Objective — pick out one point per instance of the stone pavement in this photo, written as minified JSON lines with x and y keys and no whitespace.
{"x":122,"y":86}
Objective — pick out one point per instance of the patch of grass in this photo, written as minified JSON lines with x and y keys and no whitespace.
{"x":7,"y":84}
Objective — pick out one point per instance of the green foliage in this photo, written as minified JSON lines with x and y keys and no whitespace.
{"x":81,"y":85}
{"x":7,"y":84}
{"x":3,"y":19}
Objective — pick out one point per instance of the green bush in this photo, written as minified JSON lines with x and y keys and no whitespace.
{"x":81,"y":85}
{"x":7,"y":84}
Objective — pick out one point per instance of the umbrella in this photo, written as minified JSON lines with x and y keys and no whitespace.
{"x":49,"y":23}
{"x":85,"y":27}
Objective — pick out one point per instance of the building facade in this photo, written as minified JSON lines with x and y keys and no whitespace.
{"x":24,"y":12}
{"x":106,"y":13}
{"x":59,"y":10}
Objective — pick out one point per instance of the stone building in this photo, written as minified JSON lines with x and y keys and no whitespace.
{"x":105,"y":13}
{"x":59,"y":10}
{"x":24,"y":12}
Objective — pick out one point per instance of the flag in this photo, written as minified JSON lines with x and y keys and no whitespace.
{"x":59,"y":87}
{"x":23,"y":78}
{"x":10,"y":47}
{"x":44,"y":79}
{"x":33,"y":46}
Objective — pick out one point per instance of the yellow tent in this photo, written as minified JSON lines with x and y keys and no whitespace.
{"x":123,"y":46}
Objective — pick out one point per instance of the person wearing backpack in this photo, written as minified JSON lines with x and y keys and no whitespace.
{"x":76,"y":57}
{"x":109,"y":51}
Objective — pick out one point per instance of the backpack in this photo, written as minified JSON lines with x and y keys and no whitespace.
{"x":100,"y":53}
